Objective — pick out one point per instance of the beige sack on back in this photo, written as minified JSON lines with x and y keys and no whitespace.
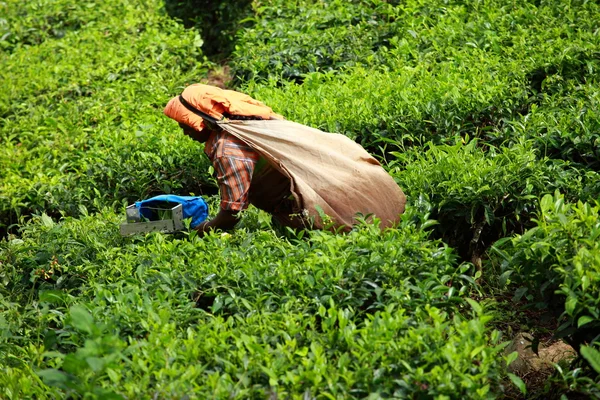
{"x":327,"y":170}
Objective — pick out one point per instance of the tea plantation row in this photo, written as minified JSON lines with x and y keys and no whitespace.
{"x":251,"y":314}
{"x":81,"y":122}
{"x":415,"y":82}
{"x":486,"y":113}
{"x":428,"y":70}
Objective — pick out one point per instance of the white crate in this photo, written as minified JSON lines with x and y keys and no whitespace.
{"x":135,"y":224}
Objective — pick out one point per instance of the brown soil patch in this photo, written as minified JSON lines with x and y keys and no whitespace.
{"x":533,"y":368}
{"x":219,"y":76}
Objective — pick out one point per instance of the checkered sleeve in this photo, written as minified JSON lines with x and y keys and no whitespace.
{"x":234,"y":167}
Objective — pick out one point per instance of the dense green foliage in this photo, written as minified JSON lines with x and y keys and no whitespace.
{"x":80,"y":112}
{"x":246,"y":314}
{"x":217,"y":21}
{"x":295,"y":38}
{"x":560,"y":257}
{"x":558,"y":263}
{"x":431,"y":69}
{"x":416,"y":81}
{"x":475,"y":209}
{"x":486,"y":114}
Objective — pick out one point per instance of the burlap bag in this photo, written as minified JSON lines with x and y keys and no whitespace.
{"x":329,"y":173}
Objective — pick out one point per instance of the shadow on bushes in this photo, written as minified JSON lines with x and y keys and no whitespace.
{"x":217,"y":21}
{"x":576,"y":67}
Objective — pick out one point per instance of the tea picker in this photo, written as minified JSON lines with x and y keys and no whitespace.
{"x":165,"y":213}
{"x":303,"y":177}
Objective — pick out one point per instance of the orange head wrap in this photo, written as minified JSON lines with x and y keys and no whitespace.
{"x":215,"y":102}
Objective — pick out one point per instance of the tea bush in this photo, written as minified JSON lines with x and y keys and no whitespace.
{"x":480,"y":196}
{"x":290,"y":40}
{"x":564,"y":125}
{"x":557,"y":262}
{"x":559,"y":256}
{"x":247,"y":314}
{"x":84,"y":126}
{"x":402,"y":107}
{"x":34,"y":22}
{"x":477,"y":109}
{"x":217,"y":22}
{"x":419,"y":71}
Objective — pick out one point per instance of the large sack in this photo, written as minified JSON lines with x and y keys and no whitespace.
{"x":329,"y":172}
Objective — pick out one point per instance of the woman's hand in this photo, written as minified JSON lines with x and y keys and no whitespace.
{"x":225,"y":220}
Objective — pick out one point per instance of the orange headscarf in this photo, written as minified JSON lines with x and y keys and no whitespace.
{"x":215,"y":102}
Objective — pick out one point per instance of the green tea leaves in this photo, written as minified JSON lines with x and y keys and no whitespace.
{"x":487,"y":121}
{"x":82,"y":319}
{"x":518,"y":382}
{"x":592,"y":356}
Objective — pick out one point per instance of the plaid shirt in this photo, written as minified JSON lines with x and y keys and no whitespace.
{"x":234,"y":163}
